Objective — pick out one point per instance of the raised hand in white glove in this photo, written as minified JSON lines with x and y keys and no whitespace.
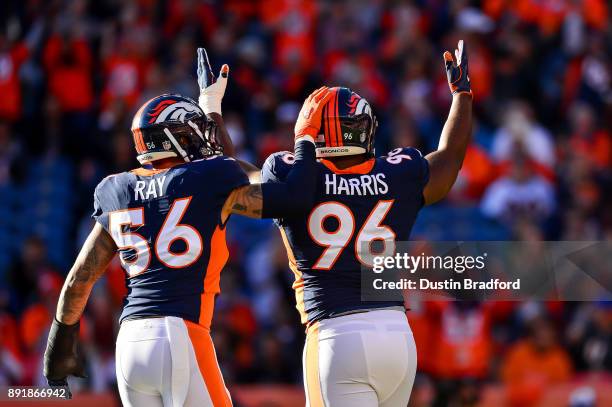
{"x":211,"y":91}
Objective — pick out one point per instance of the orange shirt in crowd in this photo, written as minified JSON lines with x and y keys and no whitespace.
{"x":477,"y":172}
{"x":293,"y":23}
{"x":10,"y":102}
{"x":549,"y":14}
{"x":34,"y":323}
{"x":481,"y":68}
{"x":524,"y":362}
{"x":462,"y":343}
{"x":597,"y":149}
{"x":70,"y":83}
{"x":438,"y":340}
{"x":9,"y":335}
{"x":123,"y":79}
{"x":527,"y":372}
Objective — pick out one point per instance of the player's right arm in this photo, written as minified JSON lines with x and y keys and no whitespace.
{"x":295,"y":195}
{"x":95,"y":255}
{"x":61,"y":356}
{"x":446,"y":161}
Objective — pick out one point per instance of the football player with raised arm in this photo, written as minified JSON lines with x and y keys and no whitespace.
{"x":362,"y":354}
{"x":167,"y":221}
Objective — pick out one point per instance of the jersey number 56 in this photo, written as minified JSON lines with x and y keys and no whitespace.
{"x":170,"y":231}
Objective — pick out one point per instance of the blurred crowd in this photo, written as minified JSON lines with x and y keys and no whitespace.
{"x":73,"y":72}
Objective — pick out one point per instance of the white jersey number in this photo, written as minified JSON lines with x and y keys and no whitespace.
{"x":170,"y":231}
{"x":395,"y":157}
{"x":336,"y":241}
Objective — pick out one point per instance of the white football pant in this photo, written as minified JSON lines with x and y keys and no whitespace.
{"x":163,"y":362}
{"x":366,"y":359}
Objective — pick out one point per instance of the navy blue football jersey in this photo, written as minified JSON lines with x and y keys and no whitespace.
{"x":167,"y":226}
{"x":358,"y":213}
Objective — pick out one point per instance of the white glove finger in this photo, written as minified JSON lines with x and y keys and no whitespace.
{"x":221,"y":82}
{"x":211,"y":97}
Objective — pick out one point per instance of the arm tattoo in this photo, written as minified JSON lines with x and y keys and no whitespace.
{"x":96,"y":253}
{"x":246,"y":201}
{"x":249,"y":201}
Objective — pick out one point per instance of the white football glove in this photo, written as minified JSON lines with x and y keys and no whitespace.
{"x":211,"y":91}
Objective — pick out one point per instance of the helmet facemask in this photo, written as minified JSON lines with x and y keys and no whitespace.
{"x":193,"y":140}
{"x":201,"y":141}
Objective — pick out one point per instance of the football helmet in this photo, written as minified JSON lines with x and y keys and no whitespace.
{"x":348,"y":125}
{"x":172,"y":125}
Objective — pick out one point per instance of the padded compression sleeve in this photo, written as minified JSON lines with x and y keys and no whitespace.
{"x":296,"y":195}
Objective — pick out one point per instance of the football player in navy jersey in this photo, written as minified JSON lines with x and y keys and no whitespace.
{"x":363,"y":353}
{"x":167,"y":221}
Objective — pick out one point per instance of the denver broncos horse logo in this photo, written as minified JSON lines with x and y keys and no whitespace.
{"x":171,"y":110}
{"x":358,"y":105}
{"x":352,"y":103}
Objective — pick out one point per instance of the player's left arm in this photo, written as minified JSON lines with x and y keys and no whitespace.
{"x":296,"y":193}
{"x":61,"y":356}
{"x":211,"y":96}
{"x":246,"y":201}
{"x":278,"y":199}
{"x":446,"y":161}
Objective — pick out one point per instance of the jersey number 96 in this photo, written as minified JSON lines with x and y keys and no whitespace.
{"x":336,"y":241}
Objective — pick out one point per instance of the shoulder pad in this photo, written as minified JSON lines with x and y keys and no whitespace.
{"x":111,"y":181}
{"x":277,"y":166}
{"x":410,"y":161}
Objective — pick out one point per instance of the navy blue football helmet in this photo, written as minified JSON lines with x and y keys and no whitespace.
{"x":172,"y":125}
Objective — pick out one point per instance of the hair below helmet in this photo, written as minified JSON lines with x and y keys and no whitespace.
{"x":173,"y":126}
{"x":348,"y":125}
